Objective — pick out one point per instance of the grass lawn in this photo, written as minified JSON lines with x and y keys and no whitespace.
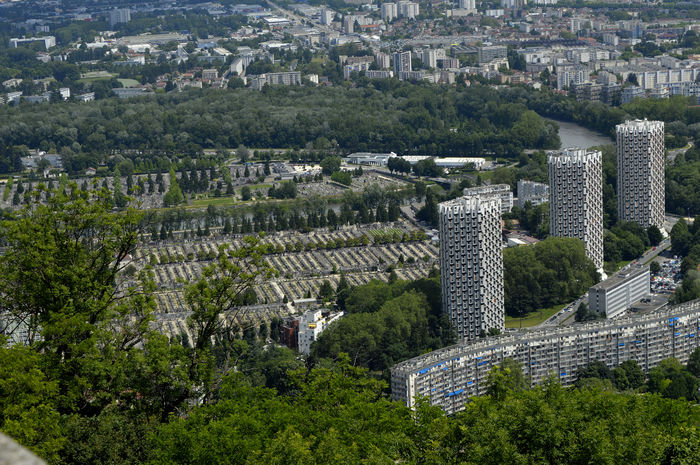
{"x":128,"y":82}
{"x":533,"y":318}
{"x":384,"y":232}
{"x":96,"y":76}
{"x":216,"y":201}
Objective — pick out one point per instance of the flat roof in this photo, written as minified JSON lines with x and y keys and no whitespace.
{"x":622,"y":277}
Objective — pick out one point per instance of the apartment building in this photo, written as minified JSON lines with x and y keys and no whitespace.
{"x":327,"y":16}
{"x":429,"y":58}
{"x":389,"y":12}
{"x":402,"y":62}
{"x":501,"y":191}
{"x":617,"y":293}
{"x":471,"y":264}
{"x":449,"y":377}
{"x":119,"y":15}
{"x":534,"y":192}
{"x":490,"y":53}
{"x":576,"y":199}
{"x":640,"y":172}
{"x":383,"y":60}
{"x":408,"y":9}
{"x":285,"y":79}
{"x":630,"y":93}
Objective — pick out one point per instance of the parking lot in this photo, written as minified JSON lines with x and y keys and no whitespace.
{"x":666,"y":280}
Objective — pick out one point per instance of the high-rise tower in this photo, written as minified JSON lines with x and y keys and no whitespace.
{"x":471,"y":264}
{"x":640,"y":172}
{"x":576,"y":199}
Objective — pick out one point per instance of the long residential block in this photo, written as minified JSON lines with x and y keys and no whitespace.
{"x":617,"y":293}
{"x":449,"y":377}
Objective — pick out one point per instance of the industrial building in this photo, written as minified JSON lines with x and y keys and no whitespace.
{"x":576,"y":199}
{"x":617,"y":293}
{"x":48,"y":41}
{"x":640,"y":172}
{"x":471,"y":264}
{"x":449,"y":377}
{"x":448,"y":162}
{"x":372,"y":159}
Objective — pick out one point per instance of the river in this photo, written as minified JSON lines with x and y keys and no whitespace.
{"x":573,"y":135}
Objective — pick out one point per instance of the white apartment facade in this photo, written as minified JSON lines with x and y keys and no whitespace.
{"x":471,"y":264}
{"x":576,"y":199}
{"x":640,"y":172}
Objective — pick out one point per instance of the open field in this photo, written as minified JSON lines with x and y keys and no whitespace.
{"x":534,"y":318}
{"x":128,"y":82}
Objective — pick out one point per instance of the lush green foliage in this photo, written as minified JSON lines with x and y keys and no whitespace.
{"x":337,"y":415}
{"x":670,"y":379}
{"x":387,"y":323}
{"x":404,"y":118}
{"x":627,"y":241}
{"x":551,"y":272}
{"x":683,"y":184}
{"x":685,"y":242}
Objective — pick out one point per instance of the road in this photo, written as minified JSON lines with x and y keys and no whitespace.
{"x":672,"y":154}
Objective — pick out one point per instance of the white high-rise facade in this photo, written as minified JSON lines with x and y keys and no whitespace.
{"x":327,"y":16}
{"x":576,"y":199}
{"x":429,"y":58}
{"x":467,"y":4}
{"x":389,"y":11}
{"x":120,"y":15}
{"x":402,"y":62}
{"x":640,"y":172}
{"x":408,"y":9}
{"x":471,"y":264}
{"x":383,"y":60}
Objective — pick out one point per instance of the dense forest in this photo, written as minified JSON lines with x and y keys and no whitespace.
{"x":548,"y":273}
{"x":382,"y":116}
{"x":402,"y":118}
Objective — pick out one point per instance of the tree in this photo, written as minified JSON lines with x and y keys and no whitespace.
{"x":246,"y":193}
{"x":174,"y":195}
{"x":654,"y":267}
{"x":326,"y":291}
{"x":330,"y":165}
{"x":119,"y":197}
{"x":221,"y":290}
{"x":242,"y":153}
{"x":694,"y":363}
{"x":62,"y":276}
{"x":28,"y":402}
{"x":420,"y":188}
{"x":506,"y":378}
{"x":655,"y":236}
{"x":342,"y":177}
